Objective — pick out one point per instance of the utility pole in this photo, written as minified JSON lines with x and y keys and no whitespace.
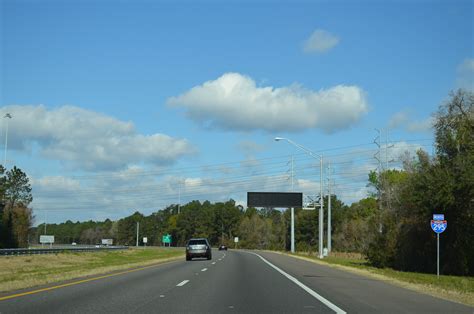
{"x":321,"y":210}
{"x":179,"y":196}
{"x":387,"y":187}
{"x":8,"y":116}
{"x":138,"y":228}
{"x":45,"y":216}
{"x":377,"y":156}
{"x":329,"y":206}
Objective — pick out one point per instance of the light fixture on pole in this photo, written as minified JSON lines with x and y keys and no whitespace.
{"x":321,"y":207}
{"x":8,"y":116}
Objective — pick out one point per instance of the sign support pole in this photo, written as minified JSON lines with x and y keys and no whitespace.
{"x":437,"y":256}
{"x":292,"y":230}
{"x":138,"y":227}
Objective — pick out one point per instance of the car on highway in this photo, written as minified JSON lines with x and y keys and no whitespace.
{"x":222,"y":247}
{"x":198,"y":247}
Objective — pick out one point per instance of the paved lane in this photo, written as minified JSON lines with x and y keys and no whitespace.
{"x":358,"y":294}
{"x":232,"y":282}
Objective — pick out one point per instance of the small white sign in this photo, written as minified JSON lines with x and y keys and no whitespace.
{"x":438,"y":216}
{"x":107,"y":241}
{"x":236,"y":239}
{"x":145,"y":240}
{"x":46,"y":239}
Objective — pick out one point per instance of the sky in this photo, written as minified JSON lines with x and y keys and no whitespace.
{"x":120,"y":106}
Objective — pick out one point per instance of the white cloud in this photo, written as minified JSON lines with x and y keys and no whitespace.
{"x":398,"y":150}
{"x":119,"y":194}
{"x":250,"y":148}
{"x":398,"y":119}
{"x":89,"y":140}
{"x":320,"y":41}
{"x":465,"y":72}
{"x":106,"y":195}
{"x":235,"y":102}
{"x":402,"y":120}
{"x":52,"y":186}
{"x":421,"y":126}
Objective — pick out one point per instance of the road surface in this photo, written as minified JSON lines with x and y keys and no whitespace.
{"x":232,"y":282}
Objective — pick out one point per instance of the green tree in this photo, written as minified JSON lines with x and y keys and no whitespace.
{"x":17,"y":188}
{"x":127,"y":229}
{"x":16,"y":218}
{"x":257,"y":232}
{"x":352,"y":230}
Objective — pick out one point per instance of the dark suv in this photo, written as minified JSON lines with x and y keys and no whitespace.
{"x":198,"y":247}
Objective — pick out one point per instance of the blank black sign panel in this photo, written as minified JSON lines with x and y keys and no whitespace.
{"x":274,"y":199}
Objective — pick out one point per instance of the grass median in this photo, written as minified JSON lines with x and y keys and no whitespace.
{"x":454,"y":288}
{"x":19,"y":272}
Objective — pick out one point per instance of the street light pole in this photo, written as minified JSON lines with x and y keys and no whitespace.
{"x":8,"y":116}
{"x":292,"y":212}
{"x":329,"y":240}
{"x":321,"y":207}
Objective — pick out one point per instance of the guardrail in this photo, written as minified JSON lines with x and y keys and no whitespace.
{"x":56,"y":250}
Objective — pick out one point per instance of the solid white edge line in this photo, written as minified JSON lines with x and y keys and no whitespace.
{"x":182,"y":283}
{"x":304,"y":287}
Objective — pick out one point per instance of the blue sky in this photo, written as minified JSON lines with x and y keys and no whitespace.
{"x":153,"y":91}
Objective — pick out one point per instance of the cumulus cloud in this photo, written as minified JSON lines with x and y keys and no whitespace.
{"x":398,"y":150}
{"x":89,"y":140}
{"x":234,"y":102}
{"x":465,"y":72}
{"x":110,"y":195}
{"x":398,"y":119}
{"x":119,"y":194}
{"x":320,"y":41}
{"x":421,"y":126}
{"x":402,"y":120}
{"x":250,"y":148}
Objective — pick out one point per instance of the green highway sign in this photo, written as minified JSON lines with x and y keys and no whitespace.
{"x":166,"y":238}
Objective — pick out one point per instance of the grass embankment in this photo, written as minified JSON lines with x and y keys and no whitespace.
{"x":18,"y":272}
{"x":454,"y":288}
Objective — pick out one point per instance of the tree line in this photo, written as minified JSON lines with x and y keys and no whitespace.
{"x":220,"y":222}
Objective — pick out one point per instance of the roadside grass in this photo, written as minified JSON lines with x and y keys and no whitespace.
{"x":453,"y":288}
{"x":19,"y":272}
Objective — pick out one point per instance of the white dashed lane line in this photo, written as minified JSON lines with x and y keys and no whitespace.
{"x":182,"y":283}
{"x":213,"y":263}
{"x":204,"y":269}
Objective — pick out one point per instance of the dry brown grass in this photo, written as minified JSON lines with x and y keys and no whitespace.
{"x":19,"y":272}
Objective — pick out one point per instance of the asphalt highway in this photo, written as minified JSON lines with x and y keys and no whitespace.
{"x":232,"y":282}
